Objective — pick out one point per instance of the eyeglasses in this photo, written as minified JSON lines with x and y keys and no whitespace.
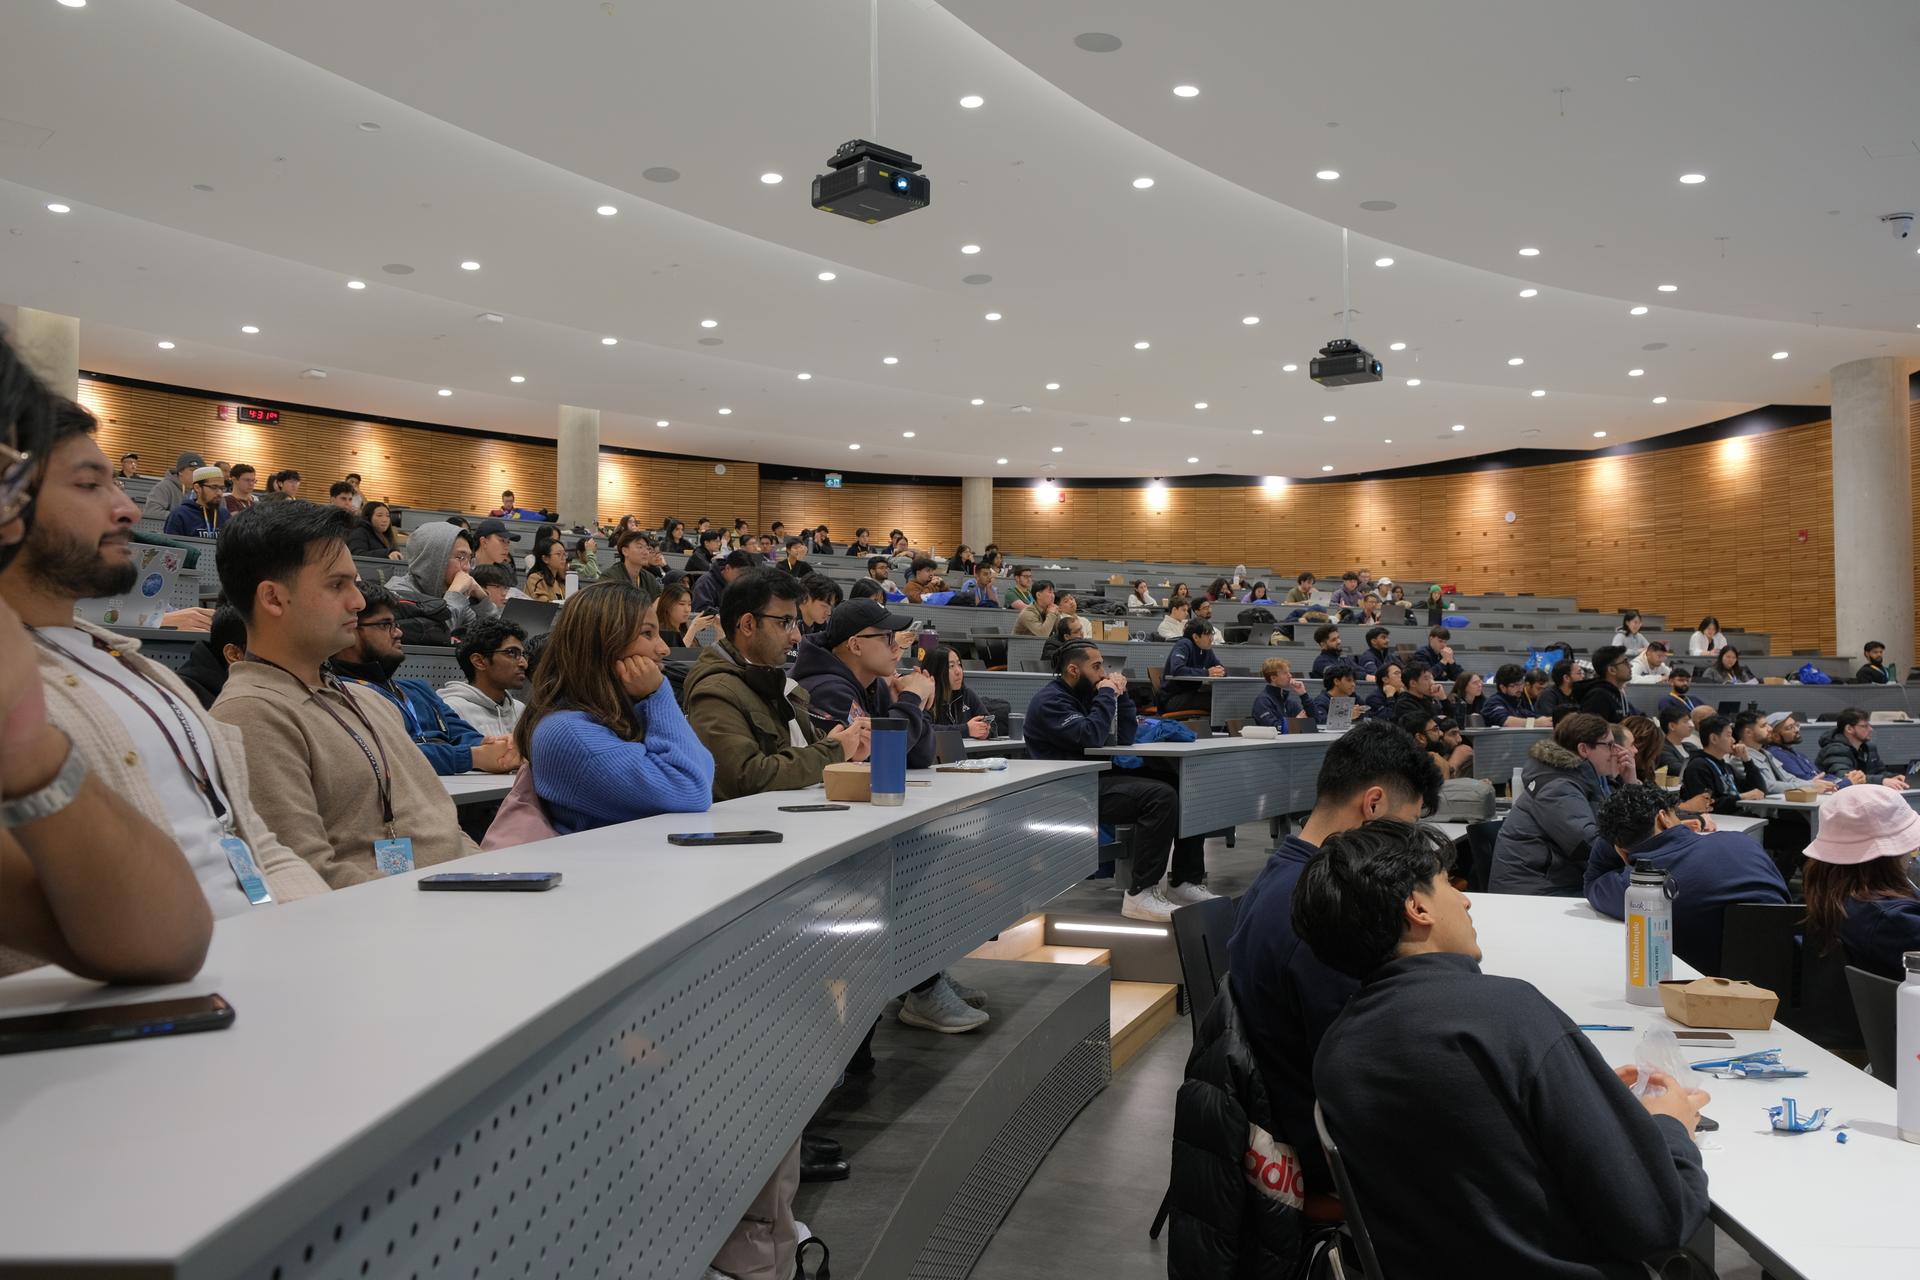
{"x":893,"y":641}
{"x":17,"y":472}
{"x":511,"y":655}
{"x":384,"y":624}
{"x":787,"y":620}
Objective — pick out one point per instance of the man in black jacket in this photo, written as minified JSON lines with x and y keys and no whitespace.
{"x":1849,"y":748}
{"x":852,"y":663}
{"x":704,"y":555}
{"x":1716,"y":771}
{"x":1607,"y":696}
{"x":1437,"y":653}
{"x":1874,"y":669}
{"x":708,"y":588}
{"x":1192,"y":658}
{"x":1571,"y":1176}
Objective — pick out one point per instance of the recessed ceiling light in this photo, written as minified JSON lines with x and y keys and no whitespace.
{"x":1413,"y":382}
{"x":853,"y":446}
{"x":804,"y":377}
{"x":709,"y":324}
{"x":1289,"y":368}
{"x":444,"y":391}
{"x":826,"y":275}
{"x":972,"y":100}
{"x":1199,"y":404}
{"x":1529,"y":293}
{"x":1259,"y":431}
{"x":606,"y":210}
{"x":1781,"y":355}
{"x":1256,"y":320}
{"x":249,"y":328}
{"x":518,"y":377}
{"x":1141,"y":184}
{"x":469,"y":265}
{"x":164,"y":346}
{"x":774,"y":180}
{"x":1328,"y":175}
{"x":1635,"y":373}
{"x":999,"y":462}
{"x":969,"y":248}
{"x":993,"y":315}
{"x":1396,"y":346}
{"x":369,"y":126}
{"x":1668,"y":288}
{"x":1059,"y":448}
{"x":1659,"y":399}
{"x":1126,"y":419}
{"x":1191,"y":461}
{"x":1383,"y":262}
{"x":1537,"y":392}
{"x":661,"y":423}
{"x":1327,"y":467}
{"x":1517,"y":360}
{"x":356,"y":284}
{"x":1599,"y":435}
{"x":1529,"y":252}
{"x":889,"y":359}
{"x":1053,"y":386}
{"x":1636,"y":311}
{"x":59,"y":208}
{"x":1141,"y":346}
{"x":906,"y":435}
{"x":1185,"y":91}
{"x":725,"y":412}
{"x":74,"y":4}
{"x":609,"y":342}
{"x":1693,"y":179}
{"x":1459,"y":426}
{"x":976,"y":402}
{"x":1388,"y":440}
{"x":1327,"y":417}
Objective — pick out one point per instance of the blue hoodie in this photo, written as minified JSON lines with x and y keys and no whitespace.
{"x":443,"y":737}
{"x":1187,"y":658}
{"x":1496,"y":710}
{"x":833,"y":690}
{"x":1710,"y":873}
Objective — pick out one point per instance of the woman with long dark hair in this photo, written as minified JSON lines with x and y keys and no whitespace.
{"x":953,"y":703}
{"x":1858,"y":894}
{"x":602,"y":734}
{"x":674,"y":611}
{"x":547,"y":580}
{"x":1727,"y":669}
{"x":372,"y":535}
{"x":1706,"y":639}
{"x":1629,"y":636}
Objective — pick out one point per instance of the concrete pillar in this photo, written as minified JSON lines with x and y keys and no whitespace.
{"x":1872,"y":509}
{"x":578,"y":472}
{"x":49,"y":343}
{"x":976,"y":511}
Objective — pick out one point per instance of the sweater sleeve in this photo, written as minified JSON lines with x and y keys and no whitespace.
{"x":1127,"y":721}
{"x":581,"y":765}
{"x":1606,"y":880}
{"x":1635,"y":1180}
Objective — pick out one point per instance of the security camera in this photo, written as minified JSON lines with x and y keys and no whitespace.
{"x":1901,"y":224}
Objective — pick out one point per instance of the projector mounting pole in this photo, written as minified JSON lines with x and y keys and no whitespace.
{"x":873,"y":70}
{"x":1346,"y":290}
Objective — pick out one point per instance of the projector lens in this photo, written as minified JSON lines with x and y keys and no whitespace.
{"x":900,"y":184}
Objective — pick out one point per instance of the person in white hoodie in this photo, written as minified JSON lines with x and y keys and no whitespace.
{"x":494,"y":656}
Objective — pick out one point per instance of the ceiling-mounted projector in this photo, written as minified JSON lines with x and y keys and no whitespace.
{"x":1342,"y":363}
{"x":871,"y":183}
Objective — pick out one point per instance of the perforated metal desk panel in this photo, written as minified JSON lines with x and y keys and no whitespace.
{"x":1228,"y":781}
{"x":517,"y":1084}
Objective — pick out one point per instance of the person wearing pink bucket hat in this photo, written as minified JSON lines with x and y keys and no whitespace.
{"x":1857,"y":889}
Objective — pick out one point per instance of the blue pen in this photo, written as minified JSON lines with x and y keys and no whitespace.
{"x":1601,"y":1026}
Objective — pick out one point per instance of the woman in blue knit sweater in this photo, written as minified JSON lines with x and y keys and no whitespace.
{"x":605,"y":739}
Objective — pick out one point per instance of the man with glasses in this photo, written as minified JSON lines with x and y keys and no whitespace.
{"x":129,"y":467}
{"x":203,"y":513}
{"x":449,"y":743}
{"x":754,"y":719}
{"x":1607,"y":697}
{"x":494,"y":657}
{"x":437,"y":598}
{"x":850,"y":671}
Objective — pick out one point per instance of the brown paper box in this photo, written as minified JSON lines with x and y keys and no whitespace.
{"x":1800,"y":795}
{"x":1115,"y":631}
{"x":1719,"y":1002}
{"x":849,"y":783}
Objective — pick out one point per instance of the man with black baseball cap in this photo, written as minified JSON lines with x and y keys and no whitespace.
{"x":492,"y":544}
{"x":171,"y":491}
{"x":854,"y":663}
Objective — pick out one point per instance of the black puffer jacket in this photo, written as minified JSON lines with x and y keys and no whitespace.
{"x":1237,"y":1194}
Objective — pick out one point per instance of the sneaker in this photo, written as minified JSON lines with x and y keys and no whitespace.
{"x":973,"y":997}
{"x":938,"y":1008}
{"x":1148,"y":904}
{"x":1185,"y":895}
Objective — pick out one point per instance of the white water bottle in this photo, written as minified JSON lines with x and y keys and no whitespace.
{"x":573,"y":584}
{"x":1514,"y":794}
{"x":1649,"y":914}
{"x":1907,"y":1038}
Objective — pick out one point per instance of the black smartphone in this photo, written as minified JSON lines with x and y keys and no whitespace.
{"x":107,"y":1022}
{"x":498,"y":881}
{"x":812,"y":808}
{"x":724,"y":837}
{"x":1690,"y":1036}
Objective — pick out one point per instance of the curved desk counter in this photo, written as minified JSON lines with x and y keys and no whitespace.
{"x":1227,"y":781}
{"x":601,"y":1076}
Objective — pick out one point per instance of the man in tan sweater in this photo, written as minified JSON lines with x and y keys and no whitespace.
{"x":1037,"y":619}
{"x":334,"y":771}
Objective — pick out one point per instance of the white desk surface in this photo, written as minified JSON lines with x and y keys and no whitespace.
{"x":1826,"y":1208}
{"x":1218,"y":742}
{"x":367,"y":1016}
{"x":1009,"y":747}
{"x":473,"y":788}
{"x":1457,"y":831}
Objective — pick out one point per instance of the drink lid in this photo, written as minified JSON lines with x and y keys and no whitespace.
{"x":1913,"y":961}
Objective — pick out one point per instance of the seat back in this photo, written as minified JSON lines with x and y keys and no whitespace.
{"x":1763,"y":943}
{"x":1356,"y":1218}
{"x":1200,"y":933}
{"x":1481,"y":838}
{"x":1873,"y":1005}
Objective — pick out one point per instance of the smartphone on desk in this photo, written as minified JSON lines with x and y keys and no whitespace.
{"x":107,"y":1022}
{"x":700,"y":839}
{"x":496,"y":881}
{"x":813,"y":808}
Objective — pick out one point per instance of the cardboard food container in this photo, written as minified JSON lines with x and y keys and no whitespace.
{"x":849,"y":784}
{"x":1719,"y":1002}
{"x":1801,"y":795}
{"x":1663,"y":778}
{"x":1115,"y":631}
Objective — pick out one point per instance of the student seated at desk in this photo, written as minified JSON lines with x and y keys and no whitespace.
{"x":920,"y":581}
{"x":1706,"y":640}
{"x":848,"y":671}
{"x":1039,"y":611}
{"x":1751,"y":730}
{"x":1280,"y":701}
{"x":1378,"y":651}
{"x":1727,"y":669}
{"x":1141,"y":600}
{"x":1437,"y":653}
{"x":1711,"y":870}
{"x":1507,"y":701}
{"x":205,"y":670}
{"x":1679,"y":696}
{"x":1067,"y":628}
{"x":1874,"y":669}
{"x":493,"y":660}
{"x":1676,"y":727}
{"x":1849,"y":749}
{"x":1533,"y":689}
{"x":1469,"y":698}
{"x":953,"y":703}
{"x":1203,"y":610}
{"x":1650,"y":664}
{"x":1174,"y":625}
{"x":1336,"y":681}
{"x":1719,"y":769}
{"x":1327,"y":636}
{"x":1556,"y":701}
{"x":1858,"y":895}
{"x":1783,"y":744}
{"x":1542,"y":846}
{"x":1192,"y":656}
{"x":203,"y":512}
{"x":1567,"y":1172}
{"x":1630,"y":637}
{"x":1302,"y":591}
{"x":1606,"y":696}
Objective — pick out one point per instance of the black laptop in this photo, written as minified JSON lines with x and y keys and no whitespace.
{"x":949,"y":744}
{"x":535,"y":617}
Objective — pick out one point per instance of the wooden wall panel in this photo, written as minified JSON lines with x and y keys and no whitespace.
{"x":928,"y":514}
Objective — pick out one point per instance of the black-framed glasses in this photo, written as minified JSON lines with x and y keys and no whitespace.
{"x":893,"y":641}
{"x":17,"y":472}
{"x":789,"y":621}
{"x":384,"y":624}
{"x":511,"y":655}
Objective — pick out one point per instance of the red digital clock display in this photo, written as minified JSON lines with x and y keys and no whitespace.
{"x":247,"y":413}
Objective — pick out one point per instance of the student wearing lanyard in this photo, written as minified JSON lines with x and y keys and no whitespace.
{"x":334,"y":772}
{"x":1715,"y":772}
{"x":203,"y":512}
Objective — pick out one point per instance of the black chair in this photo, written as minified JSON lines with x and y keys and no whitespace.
{"x":1356,"y":1225}
{"x":1200,"y":933}
{"x":1762,"y":943}
{"x":1481,"y":839}
{"x":1873,"y":1005}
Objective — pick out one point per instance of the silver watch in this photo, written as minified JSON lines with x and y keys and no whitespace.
{"x":50,"y":799}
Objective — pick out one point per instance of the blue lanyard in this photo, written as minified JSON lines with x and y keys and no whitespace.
{"x":398,"y":699}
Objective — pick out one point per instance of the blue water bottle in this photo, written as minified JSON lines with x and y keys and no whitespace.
{"x":889,"y":756}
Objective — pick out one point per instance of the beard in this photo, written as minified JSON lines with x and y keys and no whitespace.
{"x":75,"y":566}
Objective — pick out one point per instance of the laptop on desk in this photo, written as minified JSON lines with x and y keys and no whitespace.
{"x":535,"y":617}
{"x":949,"y":744}
{"x":1729,"y":708}
{"x":1339,"y":715}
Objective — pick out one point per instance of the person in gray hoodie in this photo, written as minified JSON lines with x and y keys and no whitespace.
{"x":493,"y":654}
{"x":1544,"y":842}
{"x":171,"y":489}
{"x":438,"y":599}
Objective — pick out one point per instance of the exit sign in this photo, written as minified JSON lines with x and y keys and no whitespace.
{"x":833,"y":479}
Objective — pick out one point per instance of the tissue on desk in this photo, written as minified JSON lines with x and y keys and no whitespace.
{"x":1787,"y":1118}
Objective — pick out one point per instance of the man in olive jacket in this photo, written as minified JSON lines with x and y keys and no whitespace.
{"x":745,"y":708}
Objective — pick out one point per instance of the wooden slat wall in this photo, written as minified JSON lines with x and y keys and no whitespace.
{"x":928,"y":514}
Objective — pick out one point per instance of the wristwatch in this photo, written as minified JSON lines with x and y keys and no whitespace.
{"x":50,"y":799}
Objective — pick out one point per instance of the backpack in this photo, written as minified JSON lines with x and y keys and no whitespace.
{"x":1152,"y":729}
{"x":1810,"y":674}
{"x":1465,"y":800}
{"x":1257,"y":614}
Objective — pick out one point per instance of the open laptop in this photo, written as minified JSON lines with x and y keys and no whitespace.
{"x":1728,"y":708}
{"x":535,"y":617}
{"x":1339,"y":715}
{"x":949,"y":744}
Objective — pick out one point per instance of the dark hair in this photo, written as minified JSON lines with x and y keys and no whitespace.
{"x":1562,"y":670}
{"x":875,"y":560}
{"x":1217,"y":588}
{"x":1374,"y":633}
{"x":1670,"y":716}
{"x":1350,"y":574}
{"x":493,"y":575}
{"x":1744,"y":721}
{"x":339,"y":488}
{"x":1439,"y":633}
{"x":1871,"y":644}
{"x":228,"y":628}
{"x":1072,"y":651}
{"x":1332,"y":672}
{"x":1850,"y":717}
{"x":1194,"y":627}
{"x":1582,"y":729}
{"x":1178,"y":602}
{"x":935,"y":662}
{"x":275,"y":540}
{"x":1605,"y":656}
{"x":1414,"y":670}
{"x":1376,"y":754}
{"x":1720,"y":659}
{"x":820,"y":528}
{"x":1625,"y":819}
{"x":864,"y":589}
{"x":483,"y":639}
{"x":1349,"y":904}
{"x":1828,"y":888}
{"x":1707,"y":621}
{"x":1661,"y":645}
{"x":922,"y":562}
{"x":820,"y":587}
{"x":778,"y":524}
{"x":795,"y":541}
{"x":366,"y":518}
{"x":742,"y":560}
{"x":751,"y":592}
{"x":1259,"y":591}
{"x":1044,"y":584}
{"x":1414,"y":720}
{"x":239,"y":469}
{"x":1509,"y":673}
{"x":374,"y":598}
{"x":598,"y":622}
{"x":1712,"y":727}
{"x":1535,"y":675}
{"x":712,"y":535}
{"x":1679,"y":671}
{"x":860,"y":532}
{"x":1628,"y":616}
{"x":1648,"y":742}
{"x":627,"y":537}
{"x":1305,"y":575}
{"x":1321,"y":633}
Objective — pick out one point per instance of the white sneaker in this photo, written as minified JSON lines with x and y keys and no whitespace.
{"x":1185,"y":895}
{"x":973,"y":997}
{"x":1148,"y":904}
{"x":938,"y":1008}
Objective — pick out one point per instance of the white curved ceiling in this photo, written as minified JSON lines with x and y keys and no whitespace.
{"x":502,"y":125}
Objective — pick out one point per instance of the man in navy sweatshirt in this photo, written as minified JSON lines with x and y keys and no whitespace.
{"x":1287,"y":997}
{"x":1377,"y":654}
{"x":1437,"y":653}
{"x":1571,"y":1175}
{"x":1078,"y":710}
{"x":1503,"y":704}
{"x":1711,"y":870}
{"x":1192,"y":657}
{"x":1327,"y":637}
{"x":1279,"y":702}
{"x":852,"y":664}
